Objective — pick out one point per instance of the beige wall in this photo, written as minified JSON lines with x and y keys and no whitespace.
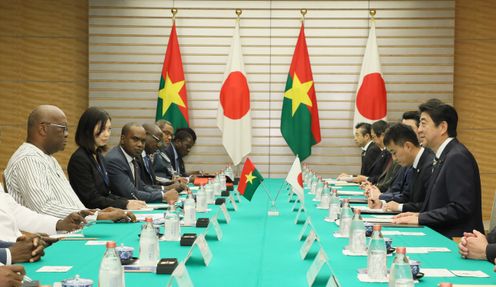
{"x":475,"y":86}
{"x":43,"y":60}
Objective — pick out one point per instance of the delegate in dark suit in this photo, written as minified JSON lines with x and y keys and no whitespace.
{"x":453,"y":199}
{"x":419,"y":182}
{"x":491,"y":246}
{"x":368,"y":158}
{"x":379,"y":165}
{"x":90,"y":181}
{"x":122,"y":181}
{"x":162,"y":165}
{"x":176,"y":160}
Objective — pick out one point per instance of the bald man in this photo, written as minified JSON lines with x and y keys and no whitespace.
{"x":34,"y":177}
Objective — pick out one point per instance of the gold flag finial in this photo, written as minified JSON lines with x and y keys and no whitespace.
{"x":239,"y":12}
{"x":373,"y":12}
{"x":174,"y":12}
{"x":303,"y":13}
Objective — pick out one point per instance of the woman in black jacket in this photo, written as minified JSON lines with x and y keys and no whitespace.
{"x":86,"y":168}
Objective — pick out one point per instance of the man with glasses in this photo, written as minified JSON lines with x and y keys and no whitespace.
{"x":34,"y":178}
{"x":153,"y":140}
{"x":123,"y":167}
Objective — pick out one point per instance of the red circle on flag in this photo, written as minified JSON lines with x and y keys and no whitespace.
{"x":235,"y":96}
{"x":371,"y":99}
{"x":300,"y":180}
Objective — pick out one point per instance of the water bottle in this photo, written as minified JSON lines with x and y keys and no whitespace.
{"x":319,"y":189}
{"x":223,"y":184}
{"x":334,"y":206}
{"x":209,"y":188}
{"x":376,"y":258}
{"x":111,"y":273}
{"x":400,"y":274}
{"x":189,"y":211}
{"x":217,"y":187}
{"x":149,"y":249}
{"x":172,"y":225}
{"x":357,"y":234}
{"x":325,"y":198}
{"x":229,"y":172}
{"x":201,"y":200}
{"x":345,"y":219}
{"x":313,"y":186}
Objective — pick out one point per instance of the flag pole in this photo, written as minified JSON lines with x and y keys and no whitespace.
{"x":273,"y":211}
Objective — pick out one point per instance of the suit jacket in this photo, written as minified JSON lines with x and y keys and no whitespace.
{"x":122,"y":180}
{"x":388,"y":176}
{"x":453,"y":200}
{"x":4,"y":245}
{"x":146,"y":171}
{"x":90,"y":181}
{"x":399,"y":185}
{"x":379,"y":165}
{"x":368,"y":158}
{"x":162,"y":165}
{"x":181,"y":170}
{"x":419,"y":182}
{"x":491,"y":247}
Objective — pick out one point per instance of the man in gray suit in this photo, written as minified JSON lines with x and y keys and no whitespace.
{"x":124,"y":170}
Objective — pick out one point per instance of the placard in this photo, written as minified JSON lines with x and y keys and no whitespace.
{"x":180,"y":276}
{"x":304,"y":229}
{"x":233,"y":202}
{"x":319,"y":261}
{"x":202,"y":245}
{"x":227,"y":217}
{"x":308,"y":244}
{"x":300,"y":211}
{"x":215,"y":224}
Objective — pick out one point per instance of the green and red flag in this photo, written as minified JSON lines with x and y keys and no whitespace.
{"x":249,"y":180}
{"x":300,"y":124}
{"x":172,"y":102}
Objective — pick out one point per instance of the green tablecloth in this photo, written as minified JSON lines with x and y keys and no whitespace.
{"x":257,"y":250}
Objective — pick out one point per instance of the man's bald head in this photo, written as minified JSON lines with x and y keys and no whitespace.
{"x":47,"y":128}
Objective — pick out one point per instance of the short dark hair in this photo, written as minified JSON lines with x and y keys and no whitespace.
{"x":380,"y":127}
{"x":411,"y":115}
{"x":183,"y":134}
{"x":190,"y":131}
{"x":365,"y":128}
{"x":441,"y":112}
{"x":127,"y":127}
{"x":89,"y":119}
{"x":399,"y":134}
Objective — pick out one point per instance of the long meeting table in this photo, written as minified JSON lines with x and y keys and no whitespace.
{"x":256,"y":250}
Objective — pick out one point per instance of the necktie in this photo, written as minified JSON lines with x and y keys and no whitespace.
{"x":136,"y":173}
{"x":148,"y":166}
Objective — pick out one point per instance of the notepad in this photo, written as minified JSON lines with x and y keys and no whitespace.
{"x":56,"y":269}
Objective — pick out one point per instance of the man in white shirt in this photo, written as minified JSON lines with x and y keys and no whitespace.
{"x":34,"y":177}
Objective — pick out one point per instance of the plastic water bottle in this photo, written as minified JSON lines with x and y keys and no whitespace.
{"x":376,"y":260}
{"x":217,"y":187}
{"x":189,"y":211}
{"x":229,"y":172}
{"x":111,"y":273}
{"x":149,"y":248}
{"x":325,"y":198}
{"x":201,"y":200}
{"x":345,"y":219}
{"x":313,"y":187}
{"x":334,"y":206}
{"x":172,"y":225}
{"x":319,"y":189}
{"x":400,"y":274}
{"x":223,"y":184}
{"x":209,"y":188}
{"x":357,"y":234}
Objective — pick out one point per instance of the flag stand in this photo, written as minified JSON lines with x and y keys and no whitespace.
{"x":273,"y":211}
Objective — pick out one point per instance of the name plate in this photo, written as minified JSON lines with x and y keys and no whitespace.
{"x":202,"y":245}
{"x":180,"y":276}
{"x":319,"y":261}
{"x":233,"y":202}
{"x":301,"y":210}
{"x":308,"y":244}
{"x":227,"y":217}
{"x":308,"y":223}
{"x":213,"y":223}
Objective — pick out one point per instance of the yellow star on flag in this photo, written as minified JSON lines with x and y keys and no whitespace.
{"x":250,"y":177}
{"x":170,"y":94}
{"x":298,"y":93}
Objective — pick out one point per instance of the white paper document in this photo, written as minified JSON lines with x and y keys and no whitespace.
{"x":96,"y":242}
{"x":54,"y":269}
{"x":469,"y":273}
{"x":349,"y":192}
{"x":401,"y":233}
{"x":436,"y":272}
{"x":420,"y":250}
{"x":154,"y":216}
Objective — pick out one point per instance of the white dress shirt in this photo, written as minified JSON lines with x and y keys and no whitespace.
{"x":15,"y":217}
{"x":36,"y":181}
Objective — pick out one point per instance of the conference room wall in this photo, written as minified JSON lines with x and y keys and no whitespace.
{"x":43,"y":60}
{"x":475,"y":86}
{"x":128,"y":40}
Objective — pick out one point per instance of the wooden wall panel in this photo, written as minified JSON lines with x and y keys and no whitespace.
{"x":43,"y":60}
{"x":474,"y":86}
{"x":128,"y":40}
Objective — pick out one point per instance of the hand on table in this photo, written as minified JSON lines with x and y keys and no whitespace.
{"x":116,"y":214}
{"x":406,"y":218}
{"x":473,"y":245}
{"x":11,"y":276}
{"x":72,"y":221}
{"x":27,"y":248}
{"x":171,"y":195}
{"x":392,"y":206}
{"x":135,"y":204}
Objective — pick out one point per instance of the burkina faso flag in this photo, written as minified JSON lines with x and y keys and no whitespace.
{"x":249,"y":180}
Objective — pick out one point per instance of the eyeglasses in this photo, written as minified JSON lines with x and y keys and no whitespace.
{"x":155,"y":138}
{"x":66,"y":128}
